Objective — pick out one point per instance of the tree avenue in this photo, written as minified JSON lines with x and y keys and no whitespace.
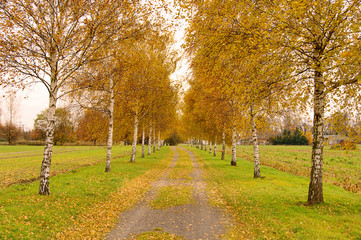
{"x":259,"y":57}
{"x":251,"y":61}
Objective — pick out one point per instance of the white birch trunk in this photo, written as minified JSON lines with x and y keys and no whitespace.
{"x":315,"y":192}
{"x":48,"y":148}
{"x":150,"y":139}
{"x":159,"y":142}
{"x":154,"y":141}
{"x":135,"y":138}
{"x":234,"y":147}
{"x":215,"y":148}
{"x":143,"y":141}
{"x":110,"y":127}
{"x":210,"y":147}
{"x":205,"y":145}
{"x":257,"y":170}
{"x":49,"y":140}
{"x":223,"y":144}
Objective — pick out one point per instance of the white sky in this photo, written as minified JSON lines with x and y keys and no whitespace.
{"x":30,"y":102}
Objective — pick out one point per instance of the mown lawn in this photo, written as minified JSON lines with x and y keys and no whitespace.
{"x":274,"y":207}
{"x":84,"y":202}
{"x":341,"y":168}
{"x":22,"y":163}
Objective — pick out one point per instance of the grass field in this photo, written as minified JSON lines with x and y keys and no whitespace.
{"x":21,"y":164}
{"x":274,"y":207}
{"x":84,"y":201}
{"x":341,"y":168}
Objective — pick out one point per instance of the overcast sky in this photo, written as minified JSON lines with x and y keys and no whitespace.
{"x":32,"y":101}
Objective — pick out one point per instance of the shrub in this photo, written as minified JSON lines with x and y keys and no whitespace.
{"x":297,"y":138}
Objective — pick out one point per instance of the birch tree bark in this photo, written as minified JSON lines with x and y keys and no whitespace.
{"x":150,"y":139}
{"x":234,"y":147}
{"x":143,"y":140}
{"x":257,"y":170}
{"x":223,"y":144}
{"x":110,"y":128}
{"x":205,"y":145}
{"x":49,"y":142}
{"x":154,"y":141}
{"x":135,"y":137}
{"x":210,"y":147}
{"x":201,"y":144}
{"x":315,"y":192}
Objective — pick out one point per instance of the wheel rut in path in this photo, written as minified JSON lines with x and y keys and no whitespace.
{"x":197,"y":220}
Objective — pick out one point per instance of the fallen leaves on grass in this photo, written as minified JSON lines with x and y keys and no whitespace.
{"x":101,"y":218}
{"x":171,"y":196}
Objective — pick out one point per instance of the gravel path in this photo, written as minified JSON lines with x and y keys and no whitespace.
{"x":197,"y":221}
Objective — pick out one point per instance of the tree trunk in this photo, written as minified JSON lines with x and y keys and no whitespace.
{"x":215,"y":148}
{"x":234,"y":145}
{"x":49,"y":142}
{"x":223,"y":144}
{"x":150,"y":139}
{"x":315,"y":192}
{"x":159,"y":143}
{"x":135,"y":138}
{"x":197,"y":144}
{"x":257,"y":170}
{"x":205,"y":145}
{"x":154,"y":141}
{"x":210,"y":147}
{"x":143,"y":140}
{"x":110,"y":127}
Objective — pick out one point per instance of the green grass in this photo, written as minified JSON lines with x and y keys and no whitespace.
{"x":159,"y":235}
{"x":183,"y":168}
{"x":22,"y":163}
{"x":171,"y":196}
{"x":341,"y":168}
{"x":87,"y":196}
{"x":274,"y":206}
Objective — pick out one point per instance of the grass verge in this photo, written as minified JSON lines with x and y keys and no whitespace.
{"x":273,"y":207}
{"x":341,"y":168}
{"x":83,"y":203}
{"x":21,"y":164}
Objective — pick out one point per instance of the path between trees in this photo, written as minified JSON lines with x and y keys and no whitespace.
{"x":197,"y":220}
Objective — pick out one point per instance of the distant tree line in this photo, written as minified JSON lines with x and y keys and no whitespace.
{"x":297,"y":138}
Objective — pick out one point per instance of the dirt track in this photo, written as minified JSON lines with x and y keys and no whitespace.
{"x":198,"y":220}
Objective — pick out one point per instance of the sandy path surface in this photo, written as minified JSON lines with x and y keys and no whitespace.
{"x":198,"y":220}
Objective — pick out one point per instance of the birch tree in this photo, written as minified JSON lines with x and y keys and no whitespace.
{"x":322,"y":39}
{"x":49,"y":41}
